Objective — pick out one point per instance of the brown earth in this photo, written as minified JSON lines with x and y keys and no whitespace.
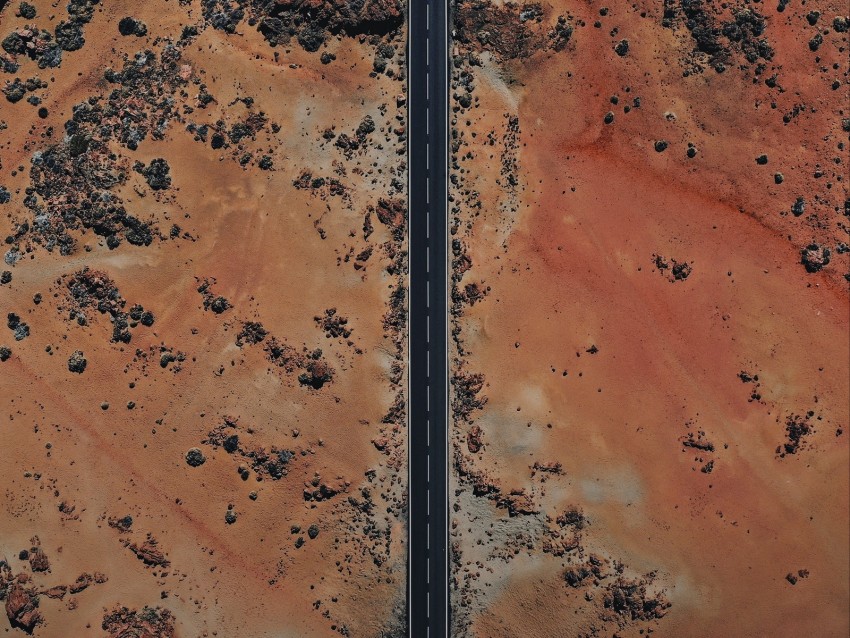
{"x":657,"y":440}
{"x":297,"y":527}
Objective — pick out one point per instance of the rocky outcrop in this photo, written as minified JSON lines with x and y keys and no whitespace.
{"x":310,"y":22}
{"x":22,"y":608}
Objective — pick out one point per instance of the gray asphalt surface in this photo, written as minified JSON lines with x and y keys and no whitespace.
{"x":428,"y":136}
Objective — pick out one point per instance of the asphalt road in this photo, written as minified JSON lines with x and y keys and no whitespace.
{"x":428,"y":611}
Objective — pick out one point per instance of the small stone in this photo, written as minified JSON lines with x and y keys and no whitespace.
{"x":77,"y":363}
{"x":26,"y":11}
{"x":622,"y":48}
{"x":195,"y":457}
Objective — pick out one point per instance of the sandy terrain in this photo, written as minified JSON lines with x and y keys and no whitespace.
{"x":650,"y":362}
{"x":202,"y":380}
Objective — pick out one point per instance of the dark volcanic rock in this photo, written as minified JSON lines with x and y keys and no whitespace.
{"x":622,"y":48}
{"x":157,"y":174}
{"x":508,"y":30}
{"x":310,"y":22}
{"x":814,"y":257}
{"x":317,"y":375}
{"x":77,"y":362}
{"x":195,"y":457}
{"x":629,"y":598}
{"x":131,"y":26}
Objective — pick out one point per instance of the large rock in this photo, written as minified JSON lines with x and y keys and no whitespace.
{"x":22,"y":608}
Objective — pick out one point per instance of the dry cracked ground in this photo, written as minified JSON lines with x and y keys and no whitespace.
{"x":203,"y":302}
{"x":649,"y":234}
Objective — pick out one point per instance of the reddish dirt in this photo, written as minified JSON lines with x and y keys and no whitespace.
{"x":176,"y":185}
{"x":653,"y":322}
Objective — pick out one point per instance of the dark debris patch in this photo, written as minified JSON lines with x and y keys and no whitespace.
{"x":310,"y":24}
{"x":74,"y":181}
{"x":466,"y":395}
{"x":334,"y":325}
{"x":19,"y":329}
{"x":89,"y":289}
{"x":793,"y":578}
{"x":672,"y":269}
{"x":722,"y":36}
{"x":317,"y":372}
{"x":35,"y":44}
{"x":314,"y":371}
{"x":157,"y":174}
{"x":211,"y":301}
{"x":629,"y":599}
{"x":393,"y":214}
{"x":73,"y":184}
{"x":510,"y":31}
{"x":320,"y":186}
{"x":40,"y":45}
{"x":148,"y":621}
{"x":797,"y":430}
{"x":272,"y":462}
{"x":252,"y":333}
